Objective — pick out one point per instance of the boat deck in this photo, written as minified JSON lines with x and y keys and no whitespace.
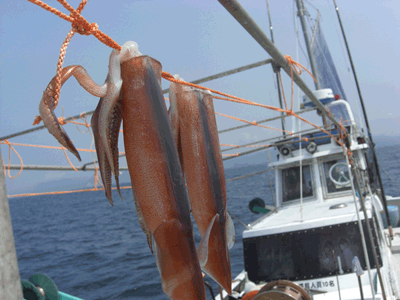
{"x":315,"y":214}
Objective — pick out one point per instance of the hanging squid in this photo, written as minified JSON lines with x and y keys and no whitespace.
{"x":107,"y":115}
{"x":196,"y":135}
{"x":157,"y":180}
{"x":132,"y":91}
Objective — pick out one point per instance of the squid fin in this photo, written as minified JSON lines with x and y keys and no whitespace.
{"x":230,"y":231}
{"x":202,"y":250}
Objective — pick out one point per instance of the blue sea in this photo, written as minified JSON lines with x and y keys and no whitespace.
{"x":94,"y":251}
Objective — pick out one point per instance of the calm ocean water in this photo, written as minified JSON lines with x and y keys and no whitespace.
{"x":95,"y":251}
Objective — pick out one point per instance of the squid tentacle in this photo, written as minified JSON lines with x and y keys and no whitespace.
{"x":105,"y":169}
{"x":107,"y":111}
{"x":110,"y":89}
{"x":47,"y":103}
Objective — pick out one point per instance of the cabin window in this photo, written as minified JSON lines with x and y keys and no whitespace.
{"x":336,"y":176}
{"x":291,"y":183}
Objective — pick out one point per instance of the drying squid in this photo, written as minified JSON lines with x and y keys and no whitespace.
{"x":132,"y":93}
{"x":46,"y":105}
{"x":196,"y":135}
{"x":157,"y":180}
{"x":107,"y":116}
{"x":104,"y":165}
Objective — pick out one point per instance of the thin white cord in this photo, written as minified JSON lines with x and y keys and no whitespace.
{"x":299,"y":128}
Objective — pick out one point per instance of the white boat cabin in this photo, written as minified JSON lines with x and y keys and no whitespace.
{"x":313,"y":235}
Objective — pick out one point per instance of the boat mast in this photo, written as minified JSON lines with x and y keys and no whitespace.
{"x":366,"y":123}
{"x":301,"y":13}
{"x":276,"y":73}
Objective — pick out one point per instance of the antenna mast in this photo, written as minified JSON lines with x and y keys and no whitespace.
{"x":277,"y":76}
{"x":301,"y":14}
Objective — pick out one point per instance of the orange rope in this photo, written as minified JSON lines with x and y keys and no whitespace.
{"x":77,"y":123}
{"x":9,"y":160}
{"x":169,"y":77}
{"x":48,"y":147}
{"x":80,"y":25}
{"x":66,"y":192}
{"x":78,"y":22}
{"x":247,"y":146}
{"x":229,"y":145}
{"x":10,"y":145}
{"x":63,"y":121}
{"x":86,"y":124}
{"x":241,"y":120}
{"x":60,"y":63}
{"x":70,"y":163}
{"x":253,"y":123}
{"x":342,"y":136}
{"x":244,"y":101}
{"x":297,"y":67}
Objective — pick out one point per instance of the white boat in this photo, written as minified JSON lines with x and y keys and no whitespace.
{"x":325,"y":237}
{"x":305,"y":246}
{"x":312,"y":240}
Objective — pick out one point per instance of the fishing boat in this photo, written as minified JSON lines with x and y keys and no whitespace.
{"x":327,"y":235}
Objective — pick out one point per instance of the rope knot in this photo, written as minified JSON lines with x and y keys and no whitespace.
{"x":289,"y":59}
{"x":84,"y":28}
{"x":294,"y":65}
{"x":297,"y":66}
{"x":37,"y":120}
{"x":62,"y":120}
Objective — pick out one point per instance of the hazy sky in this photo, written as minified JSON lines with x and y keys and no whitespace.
{"x":193,"y":39}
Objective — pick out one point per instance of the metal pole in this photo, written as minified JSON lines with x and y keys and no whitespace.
{"x":276,"y":74}
{"x":371,"y":239}
{"x":238,"y":12}
{"x":55,"y":168}
{"x":265,"y":120}
{"x":229,"y":72}
{"x":6,"y":137}
{"x":244,"y":153}
{"x":10,"y":281}
{"x":270,"y":139}
{"x":301,"y":13}
{"x":366,"y":123}
{"x":360,"y":287}
{"x":336,"y":271}
{"x":364,"y":245}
